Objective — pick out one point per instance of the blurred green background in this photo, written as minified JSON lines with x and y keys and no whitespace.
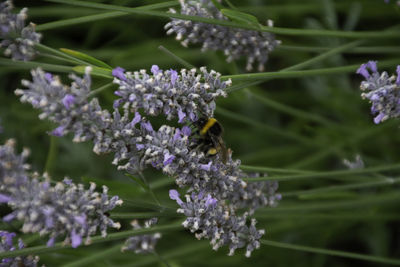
{"x":309,"y":123}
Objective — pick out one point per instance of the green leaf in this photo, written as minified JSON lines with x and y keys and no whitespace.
{"x":139,"y":181}
{"x":217,"y":4}
{"x":89,"y":59}
{"x":240,"y":17}
{"x":96,"y":71}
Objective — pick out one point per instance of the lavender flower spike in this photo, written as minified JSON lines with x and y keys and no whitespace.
{"x":175,"y":95}
{"x":18,"y":39}
{"x":382,"y":90}
{"x":6,"y":244}
{"x":235,"y":43}
{"x":65,"y":209}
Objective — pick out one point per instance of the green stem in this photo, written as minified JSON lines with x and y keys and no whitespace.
{"x":18,"y":65}
{"x":100,"y":89}
{"x":161,"y":259}
{"x":354,"y":50}
{"x":95,"y":257}
{"x":97,"y":239}
{"x":42,"y":47}
{"x":334,"y":216}
{"x":276,"y":30}
{"x":276,"y":170}
{"x":51,"y":154}
{"x":149,"y":189}
{"x":332,"y":252}
{"x":387,"y":181}
{"x":304,"y":73}
{"x":326,"y":174}
{"x":178,"y":59}
{"x":97,"y":17}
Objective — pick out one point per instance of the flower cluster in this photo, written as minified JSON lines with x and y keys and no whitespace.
{"x":18,"y":39}
{"x":136,"y":145}
{"x":6,"y":244}
{"x":235,"y":43}
{"x":382,"y":90}
{"x":175,"y":95}
{"x":142,"y":244}
{"x":55,"y":210}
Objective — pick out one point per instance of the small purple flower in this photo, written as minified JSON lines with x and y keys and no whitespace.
{"x":68,"y":100}
{"x":398,"y":75}
{"x":174,"y":195}
{"x":206,"y":167}
{"x":119,"y":73}
{"x":155,"y":69}
{"x":51,"y":242}
{"x":362,"y":70}
{"x":186,"y":131}
{"x":372,"y":65}
{"x":379,"y":118}
{"x":168,"y":158}
{"x":147,"y":126}
{"x":174,"y":76}
{"x":59,"y":131}
{"x":4,"y":198}
{"x":49,"y":77}
{"x":139,"y":146}
{"x":76,"y":239}
{"x":181,"y":116}
{"x":81,"y":219}
{"x":136,"y":119}
{"x":117,"y":103}
{"x":9,"y":217}
{"x":210,"y":201}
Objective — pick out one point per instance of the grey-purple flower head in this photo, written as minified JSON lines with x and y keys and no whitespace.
{"x":7,"y":244}
{"x":235,"y":43}
{"x":18,"y":40}
{"x":142,"y":244}
{"x":382,"y":90}
{"x":181,"y":96}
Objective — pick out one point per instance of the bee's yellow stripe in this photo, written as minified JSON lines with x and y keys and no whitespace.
{"x":208,"y":125}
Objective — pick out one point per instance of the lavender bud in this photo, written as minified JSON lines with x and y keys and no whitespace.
{"x":142,"y":244}
{"x":18,"y":40}
{"x":235,"y":43}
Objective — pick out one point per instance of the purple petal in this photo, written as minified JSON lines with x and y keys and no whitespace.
{"x":372,"y":65}
{"x":181,"y":115}
{"x":398,"y":75}
{"x":118,"y":93}
{"x":155,"y":69}
{"x":174,"y":195}
{"x":362,"y":70}
{"x":59,"y":131}
{"x":21,"y":244}
{"x":76,"y":239}
{"x":68,"y":100}
{"x":81,"y":219}
{"x":186,"y":130}
{"x":117,"y":103}
{"x":132,"y":97}
{"x":51,"y":241}
{"x":139,"y":146}
{"x":378,"y":118}
{"x":147,"y":126}
{"x":177,"y":135}
{"x":168,"y":158}
{"x":174,"y":76}
{"x":67,"y":181}
{"x":206,"y":167}
{"x":136,"y":119}
{"x":8,"y":237}
{"x":210,"y":201}
{"x":48,"y":77}
{"x":4,"y":198}
{"x":118,"y":72}
{"x":9,"y":217}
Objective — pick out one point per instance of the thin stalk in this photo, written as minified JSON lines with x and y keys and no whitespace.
{"x":334,"y":216}
{"x":161,"y":259}
{"x":276,"y":30}
{"x":95,"y":257}
{"x":42,"y":47}
{"x":276,"y":170}
{"x":149,"y":189}
{"x":177,"y":58}
{"x":330,"y":252}
{"x":51,"y":154}
{"x":100,"y":89}
{"x":97,"y":17}
{"x":387,"y":181}
{"x":96,"y":239}
{"x":303,"y":73}
{"x":326,"y":174}
{"x":11,"y":64}
{"x":354,"y":50}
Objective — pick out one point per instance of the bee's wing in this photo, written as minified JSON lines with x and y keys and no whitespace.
{"x":220,"y":144}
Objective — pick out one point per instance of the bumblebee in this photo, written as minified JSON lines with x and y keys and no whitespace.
{"x":210,"y":133}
